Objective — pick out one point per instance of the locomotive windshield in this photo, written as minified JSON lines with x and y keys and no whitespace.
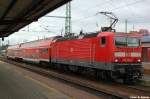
{"x":127,"y":41}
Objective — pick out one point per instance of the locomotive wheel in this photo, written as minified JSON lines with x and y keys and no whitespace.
{"x":128,"y":79}
{"x":65,"y":68}
{"x":58,"y":66}
{"x":101,"y":74}
{"x":110,"y":76}
{"x":74,"y":69}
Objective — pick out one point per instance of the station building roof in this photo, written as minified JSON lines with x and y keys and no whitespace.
{"x":15,"y":14}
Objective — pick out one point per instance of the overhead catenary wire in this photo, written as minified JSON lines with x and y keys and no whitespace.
{"x":112,"y":10}
{"x":91,"y":8}
{"x":86,"y":18}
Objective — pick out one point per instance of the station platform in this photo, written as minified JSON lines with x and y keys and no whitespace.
{"x":14,"y":85}
{"x":146,"y":66}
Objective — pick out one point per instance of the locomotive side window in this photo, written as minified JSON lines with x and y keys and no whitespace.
{"x":103,"y":41}
{"x":127,"y":41}
{"x":120,"y":41}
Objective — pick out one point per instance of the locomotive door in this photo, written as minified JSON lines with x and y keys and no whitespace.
{"x":101,"y":50}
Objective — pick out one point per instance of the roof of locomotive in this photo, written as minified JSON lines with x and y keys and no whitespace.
{"x":97,"y":34}
{"x":86,"y":35}
{"x":82,"y":36}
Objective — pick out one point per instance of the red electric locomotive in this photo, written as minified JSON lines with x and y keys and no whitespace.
{"x":107,"y":53}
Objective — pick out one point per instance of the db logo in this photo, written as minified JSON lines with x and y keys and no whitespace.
{"x":71,"y":49}
{"x":128,"y":60}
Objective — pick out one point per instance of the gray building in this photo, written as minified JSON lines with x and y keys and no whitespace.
{"x":145,"y":48}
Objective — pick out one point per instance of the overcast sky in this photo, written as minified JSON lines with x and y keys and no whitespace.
{"x":84,"y":17}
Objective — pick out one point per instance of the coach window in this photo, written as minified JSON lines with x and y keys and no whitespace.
{"x":103,"y":41}
{"x":44,"y":51}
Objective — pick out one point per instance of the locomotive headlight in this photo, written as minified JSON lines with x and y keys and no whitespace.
{"x":116,"y":60}
{"x":119,"y":54}
{"x":135,"y":54}
{"x":139,"y":60}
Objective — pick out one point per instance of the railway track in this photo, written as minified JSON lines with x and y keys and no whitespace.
{"x":111,"y":89}
{"x":146,"y":66}
{"x":141,"y":88}
{"x":147,"y":71}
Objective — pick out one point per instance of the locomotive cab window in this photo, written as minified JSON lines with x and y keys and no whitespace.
{"x":103,"y":41}
{"x":127,"y":41}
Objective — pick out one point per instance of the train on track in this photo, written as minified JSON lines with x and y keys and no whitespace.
{"x":106,"y":53}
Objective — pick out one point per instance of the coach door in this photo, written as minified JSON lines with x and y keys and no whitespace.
{"x":54,"y":53}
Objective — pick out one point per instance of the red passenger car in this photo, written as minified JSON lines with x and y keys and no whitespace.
{"x":36,"y":51}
